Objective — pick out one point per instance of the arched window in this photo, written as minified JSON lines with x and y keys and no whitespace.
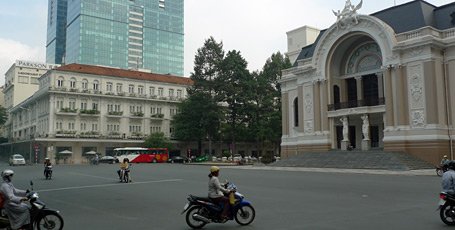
{"x":84,"y":84}
{"x":296,"y":112}
{"x":73,"y":83}
{"x":96,"y":86}
{"x":60,"y":82}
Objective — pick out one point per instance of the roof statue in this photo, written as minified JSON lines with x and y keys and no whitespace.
{"x":348,"y":14}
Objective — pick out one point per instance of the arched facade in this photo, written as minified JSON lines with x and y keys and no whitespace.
{"x":367,"y":87}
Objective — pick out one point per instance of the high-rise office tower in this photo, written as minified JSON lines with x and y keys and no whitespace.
{"x":129,"y":34}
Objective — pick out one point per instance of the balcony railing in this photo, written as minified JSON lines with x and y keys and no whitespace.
{"x":355,"y":104}
{"x":89,"y":112}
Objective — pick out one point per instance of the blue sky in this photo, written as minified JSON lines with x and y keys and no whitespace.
{"x":257,"y":28}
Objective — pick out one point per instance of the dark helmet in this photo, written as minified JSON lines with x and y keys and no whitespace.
{"x":451,"y":165}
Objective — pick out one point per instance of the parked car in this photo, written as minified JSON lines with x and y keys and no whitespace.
{"x":108,"y":159}
{"x":178,"y":159}
{"x":16,"y":159}
{"x":202,"y":158}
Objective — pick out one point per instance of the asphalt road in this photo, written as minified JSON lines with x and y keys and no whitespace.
{"x":90,"y":197}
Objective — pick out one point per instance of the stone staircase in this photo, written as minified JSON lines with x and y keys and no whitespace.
{"x":373,"y":159}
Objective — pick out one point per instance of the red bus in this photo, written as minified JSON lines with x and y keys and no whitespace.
{"x":142,"y":155}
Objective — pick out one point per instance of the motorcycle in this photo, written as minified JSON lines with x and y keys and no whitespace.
{"x":48,"y":172}
{"x":125,"y":175}
{"x":447,"y":208}
{"x":41,"y":217}
{"x":202,"y":210}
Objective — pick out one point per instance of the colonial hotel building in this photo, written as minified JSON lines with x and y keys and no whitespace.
{"x":82,"y":108}
{"x":380,"y":81}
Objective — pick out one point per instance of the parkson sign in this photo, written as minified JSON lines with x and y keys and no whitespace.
{"x":37,"y":65}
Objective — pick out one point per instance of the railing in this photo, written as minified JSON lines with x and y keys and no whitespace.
{"x":355,"y":104}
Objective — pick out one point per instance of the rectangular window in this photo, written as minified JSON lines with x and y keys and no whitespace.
{"x":59,"y":104}
{"x":72,"y":104}
{"x":152,"y":91}
{"x":34,"y":80}
{"x":95,"y":105}
{"x":171,"y":92}
{"x":131,"y":89}
{"x":83,"y":126}
{"x":72,"y":84}
{"x":179,"y":93}
{"x":84,"y":105}
{"x":119,"y":88}
{"x":23,"y":79}
{"x":117,"y":108}
{"x":140,"y":90}
{"x":160,"y":92}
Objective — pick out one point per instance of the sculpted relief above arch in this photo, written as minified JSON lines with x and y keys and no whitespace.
{"x":370,"y":26}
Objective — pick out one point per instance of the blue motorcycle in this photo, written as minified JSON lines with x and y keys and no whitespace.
{"x":202,"y":210}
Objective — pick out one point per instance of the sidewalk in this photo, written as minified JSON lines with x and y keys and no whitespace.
{"x":419,"y":172}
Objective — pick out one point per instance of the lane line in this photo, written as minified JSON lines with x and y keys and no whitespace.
{"x":108,"y":185}
{"x":88,"y":175}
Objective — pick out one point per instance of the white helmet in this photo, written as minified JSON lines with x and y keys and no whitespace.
{"x":7,"y":174}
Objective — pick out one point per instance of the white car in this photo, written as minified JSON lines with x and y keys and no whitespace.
{"x":16,"y":159}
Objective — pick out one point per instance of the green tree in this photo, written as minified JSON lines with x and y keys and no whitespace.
{"x":233,"y":89}
{"x":157,"y":140}
{"x":199,"y":115}
{"x":198,"y":119}
{"x":206,"y":66}
{"x":265,"y":109}
{"x":3,"y":115}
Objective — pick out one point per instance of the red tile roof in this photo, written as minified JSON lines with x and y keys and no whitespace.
{"x":122,"y":73}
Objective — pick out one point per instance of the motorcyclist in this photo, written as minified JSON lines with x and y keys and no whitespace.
{"x":123,"y":166}
{"x":448,"y":179}
{"x":96,"y":159}
{"x":17,"y":212}
{"x":444,"y":160}
{"x":47,"y":165}
{"x":217,"y":192}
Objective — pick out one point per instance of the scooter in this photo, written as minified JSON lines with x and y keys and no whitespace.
{"x":202,"y":210}
{"x":48,"y":172}
{"x":447,"y":208}
{"x":41,"y":217}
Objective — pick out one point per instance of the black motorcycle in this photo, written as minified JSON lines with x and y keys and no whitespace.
{"x":202,"y":210}
{"x":41,"y":217}
{"x":48,"y":172}
{"x":447,"y":208}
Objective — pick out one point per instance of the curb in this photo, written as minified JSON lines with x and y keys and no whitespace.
{"x":420,"y":172}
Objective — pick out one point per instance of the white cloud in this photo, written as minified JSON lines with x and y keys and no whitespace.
{"x":14,"y":50}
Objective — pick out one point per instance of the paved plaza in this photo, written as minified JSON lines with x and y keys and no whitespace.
{"x":90,"y":197}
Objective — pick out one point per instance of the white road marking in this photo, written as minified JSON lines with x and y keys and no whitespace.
{"x":108,"y":185}
{"x":88,"y":175}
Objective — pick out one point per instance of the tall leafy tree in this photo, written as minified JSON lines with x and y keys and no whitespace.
{"x":157,"y":140}
{"x":199,"y":116}
{"x":233,"y":90}
{"x":266,"y":102}
{"x":206,"y":66}
{"x":197,"y":119}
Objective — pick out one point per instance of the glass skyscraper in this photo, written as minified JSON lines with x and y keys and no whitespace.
{"x":129,"y":34}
